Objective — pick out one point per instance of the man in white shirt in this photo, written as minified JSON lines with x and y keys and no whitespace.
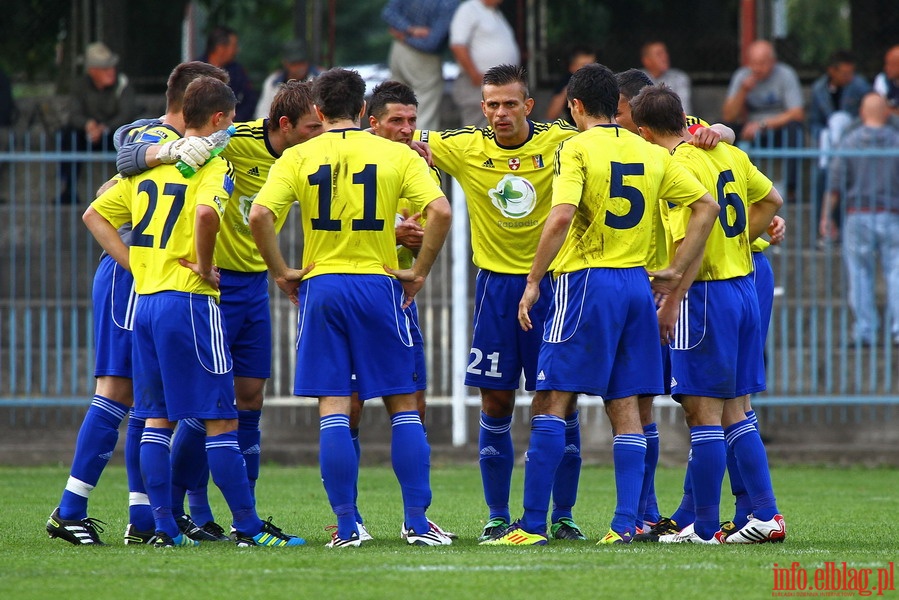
{"x":480,"y":38}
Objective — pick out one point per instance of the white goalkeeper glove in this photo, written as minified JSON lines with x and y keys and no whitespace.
{"x":194,"y":151}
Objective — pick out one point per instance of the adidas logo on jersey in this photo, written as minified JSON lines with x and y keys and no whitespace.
{"x":489,"y":451}
{"x":254,"y":171}
{"x":541,"y":376}
{"x":673,"y":383}
{"x":488,"y":163}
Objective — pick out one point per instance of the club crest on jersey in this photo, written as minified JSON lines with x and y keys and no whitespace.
{"x":538,"y":161}
{"x":514,"y":163}
{"x":514,"y":196}
{"x":246,"y":203}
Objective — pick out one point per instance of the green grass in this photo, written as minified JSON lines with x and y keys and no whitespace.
{"x":832,"y":515}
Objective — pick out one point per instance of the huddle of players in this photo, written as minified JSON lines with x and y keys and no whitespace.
{"x":515,"y":153}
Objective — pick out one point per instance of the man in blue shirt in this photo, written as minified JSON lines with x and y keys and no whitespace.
{"x":420,"y":29}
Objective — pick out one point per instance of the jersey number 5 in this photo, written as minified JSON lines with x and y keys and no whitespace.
{"x":177,"y":191}
{"x":367,"y":178}
{"x":617,"y":189}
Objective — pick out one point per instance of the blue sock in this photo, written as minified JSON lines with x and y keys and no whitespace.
{"x":411,"y":458}
{"x":230,"y":476}
{"x":742,"y":501}
{"x":544,"y":455}
{"x":96,"y":442}
{"x":649,"y":505}
{"x":686,"y":512}
{"x":753,"y":418}
{"x":629,"y":456}
{"x":139,"y":512}
{"x":156,"y":469}
{"x":190,"y":469}
{"x":339,"y":470}
{"x":354,"y":434}
{"x":198,"y":501}
{"x":496,"y":460}
{"x":752,"y":459}
{"x":707,"y":472}
{"x":569,"y":472}
{"x":250,"y":439}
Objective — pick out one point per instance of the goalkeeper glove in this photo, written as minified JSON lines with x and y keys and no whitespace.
{"x":194,"y":151}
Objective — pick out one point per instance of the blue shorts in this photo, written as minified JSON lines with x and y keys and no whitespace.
{"x":182,"y":365}
{"x":602,"y":335}
{"x":418,"y":347}
{"x":763,"y":277}
{"x":717,"y":348}
{"x":114,"y":299}
{"x":354,"y":324}
{"x":500,"y":349}
{"x":248,"y":322}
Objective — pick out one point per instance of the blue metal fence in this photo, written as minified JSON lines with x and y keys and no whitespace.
{"x":49,"y":258}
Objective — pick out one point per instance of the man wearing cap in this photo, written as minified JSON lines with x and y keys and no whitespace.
{"x":101,"y":101}
{"x":294,"y":65}
{"x":420,"y":29}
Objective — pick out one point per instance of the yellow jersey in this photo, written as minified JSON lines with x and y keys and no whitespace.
{"x":348,"y":184}
{"x":508,"y":190}
{"x":162,"y":205}
{"x":616,"y":180}
{"x":735,"y":183}
{"x":252,"y":155}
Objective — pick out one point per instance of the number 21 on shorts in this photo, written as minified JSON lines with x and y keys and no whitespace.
{"x":476,"y":364}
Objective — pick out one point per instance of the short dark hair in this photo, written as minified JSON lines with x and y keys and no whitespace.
{"x":506,"y":74}
{"x":595,"y":86}
{"x":390,"y":92}
{"x":840,"y":57}
{"x":339,"y":94}
{"x":182,"y":75}
{"x":204,"y":97}
{"x":630,"y":82}
{"x":219,"y":36}
{"x":293,"y":100}
{"x":660,"y":109}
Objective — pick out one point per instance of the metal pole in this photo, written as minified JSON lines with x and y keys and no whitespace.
{"x":459,"y":242}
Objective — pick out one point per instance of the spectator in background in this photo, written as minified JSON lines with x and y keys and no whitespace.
{"x":578,"y":56}
{"x":294,"y":65}
{"x":657,"y":64}
{"x":221,"y":51}
{"x":480,"y":38}
{"x":101,"y":101}
{"x":869,"y":186}
{"x":420,"y":29}
{"x":834,"y":105}
{"x":887,"y":82}
{"x":764,"y":104}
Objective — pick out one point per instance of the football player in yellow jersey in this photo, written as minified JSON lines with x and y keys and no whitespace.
{"x":348,"y":184}
{"x":113,"y":301}
{"x":182,"y":364}
{"x":630,"y":82}
{"x":505,"y":171}
{"x":244,"y":284}
{"x":716,"y":345}
{"x":601,"y":336}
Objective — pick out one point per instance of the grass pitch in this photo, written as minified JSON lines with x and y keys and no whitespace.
{"x":833,"y":515}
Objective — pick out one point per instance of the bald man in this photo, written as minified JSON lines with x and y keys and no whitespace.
{"x":869,"y":187}
{"x":887,"y":82}
{"x":764,"y":104}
